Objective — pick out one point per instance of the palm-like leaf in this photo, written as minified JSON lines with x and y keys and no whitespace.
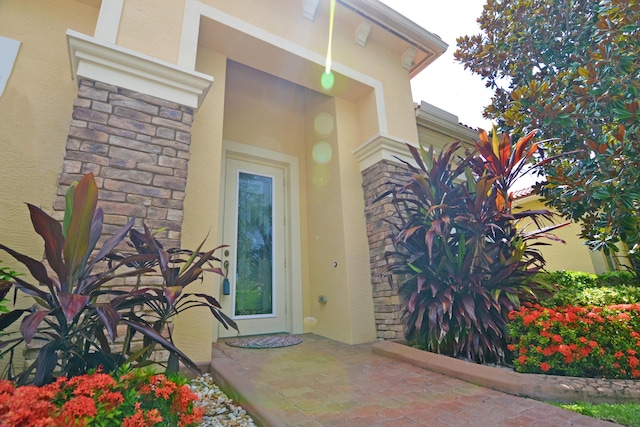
{"x":465,"y":262}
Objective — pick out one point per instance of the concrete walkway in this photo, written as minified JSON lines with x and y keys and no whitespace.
{"x":321,"y":382}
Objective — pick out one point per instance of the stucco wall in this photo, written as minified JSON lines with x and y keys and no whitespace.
{"x":355,"y":229}
{"x":201,"y":205}
{"x":35,"y":111}
{"x":152,"y":30}
{"x":572,"y":255}
{"x":379,"y":63}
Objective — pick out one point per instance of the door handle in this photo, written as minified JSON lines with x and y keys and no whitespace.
{"x":226,"y":286}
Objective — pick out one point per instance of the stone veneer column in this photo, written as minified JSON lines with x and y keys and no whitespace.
{"x":137,"y":146}
{"x":377,"y":179}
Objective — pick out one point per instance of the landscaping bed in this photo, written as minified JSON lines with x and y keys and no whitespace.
{"x":535,"y":386}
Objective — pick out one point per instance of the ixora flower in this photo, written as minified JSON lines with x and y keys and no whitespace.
{"x":135,"y":398}
{"x":577,"y":341}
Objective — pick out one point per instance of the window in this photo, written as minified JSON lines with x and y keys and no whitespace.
{"x":8,"y":53}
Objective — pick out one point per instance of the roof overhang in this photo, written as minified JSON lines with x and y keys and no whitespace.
{"x":428,"y":46}
{"x":431,"y":117}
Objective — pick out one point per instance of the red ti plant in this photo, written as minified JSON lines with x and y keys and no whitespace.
{"x":75,"y":316}
{"x":463,"y":261}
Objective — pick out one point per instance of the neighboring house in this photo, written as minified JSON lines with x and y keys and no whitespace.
{"x":209,"y":116}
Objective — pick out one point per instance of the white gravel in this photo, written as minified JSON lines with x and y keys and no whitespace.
{"x":219,"y":409}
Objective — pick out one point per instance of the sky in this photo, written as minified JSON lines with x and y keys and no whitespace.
{"x":445,"y":83}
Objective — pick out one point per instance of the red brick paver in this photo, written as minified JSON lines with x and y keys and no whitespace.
{"x":322,"y":382}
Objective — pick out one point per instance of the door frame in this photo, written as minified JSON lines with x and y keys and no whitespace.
{"x":292,"y":235}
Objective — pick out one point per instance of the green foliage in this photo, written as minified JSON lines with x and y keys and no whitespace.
{"x":627,"y":414}
{"x":573,"y":70}
{"x":569,"y":279}
{"x":6,"y":275}
{"x":76,"y":313}
{"x":466,"y":262}
{"x":616,"y":278}
{"x":585,"y":289}
{"x":577,"y":341}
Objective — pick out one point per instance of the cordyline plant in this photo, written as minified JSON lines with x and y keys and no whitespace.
{"x":467,"y":258}
{"x":76,"y":313}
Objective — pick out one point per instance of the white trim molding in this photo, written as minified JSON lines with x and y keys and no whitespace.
{"x":109,"y":20}
{"x":362,"y":33}
{"x":108,"y":63}
{"x":309,"y":9}
{"x":430,"y":45}
{"x":195,"y":10}
{"x":380,"y":148}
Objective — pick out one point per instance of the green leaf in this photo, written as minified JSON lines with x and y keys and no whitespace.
{"x":78,"y":233}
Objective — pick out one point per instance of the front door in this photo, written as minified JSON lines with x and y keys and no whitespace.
{"x":254,"y":218}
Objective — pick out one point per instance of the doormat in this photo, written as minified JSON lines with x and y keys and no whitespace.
{"x":270,"y":341}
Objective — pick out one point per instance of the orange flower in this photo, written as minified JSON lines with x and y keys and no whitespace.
{"x":544,"y":366}
{"x":184,"y":398}
{"x":79,"y":407}
{"x":193,"y":418}
{"x":111,"y":398}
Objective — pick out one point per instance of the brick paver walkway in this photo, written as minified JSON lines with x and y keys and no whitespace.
{"x":321,"y":382}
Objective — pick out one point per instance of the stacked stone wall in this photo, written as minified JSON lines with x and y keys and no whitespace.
{"x":137,"y":146}
{"x":376,"y":180}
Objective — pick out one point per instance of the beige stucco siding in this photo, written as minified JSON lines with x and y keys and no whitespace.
{"x":201,"y":204}
{"x":355,"y":229}
{"x":152,"y":30}
{"x":572,"y":255}
{"x":327,"y":257}
{"x":35,"y":111}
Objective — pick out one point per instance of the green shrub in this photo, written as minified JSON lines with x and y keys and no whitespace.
{"x":585,"y":289}
{"x":569,"y":279}
{"x":616,"y":278}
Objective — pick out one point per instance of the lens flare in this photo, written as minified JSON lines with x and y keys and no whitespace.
{"x":322,"y":152}
{"x":323,"y":123}
{"x":310,"y":321}
{"x":327,"y":78}
{"x":320,"y":176}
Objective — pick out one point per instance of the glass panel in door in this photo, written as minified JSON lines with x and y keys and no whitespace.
{"x":253,"y":227}
{"x":254,"y":251}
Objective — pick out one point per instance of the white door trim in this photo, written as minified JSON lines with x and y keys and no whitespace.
{"x":289,"y":164}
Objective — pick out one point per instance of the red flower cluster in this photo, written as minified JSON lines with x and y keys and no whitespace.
{"x":130,"y":401}
{"x":578,"y":341}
